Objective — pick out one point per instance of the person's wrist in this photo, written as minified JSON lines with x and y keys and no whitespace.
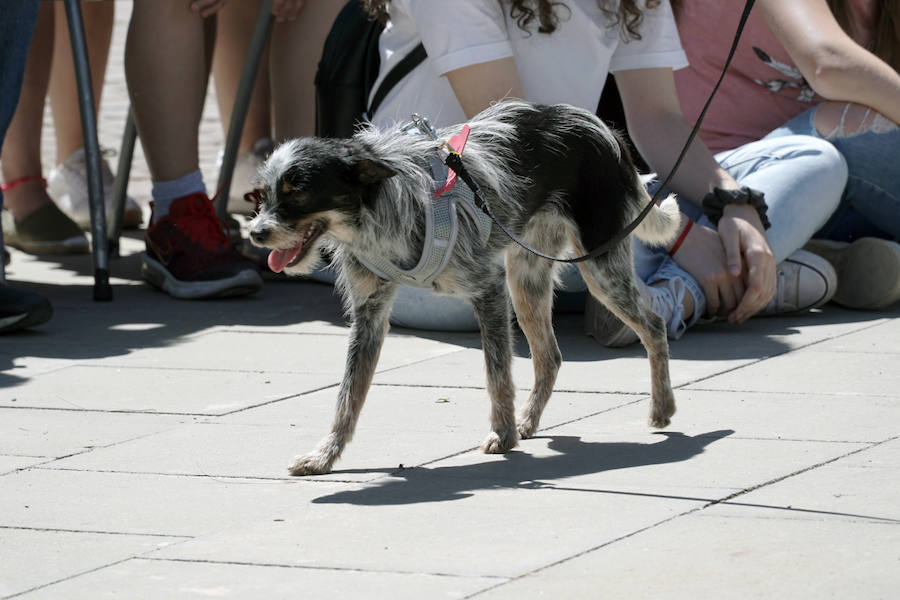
{"x":716,"y":202}
{"x":686,"y":225}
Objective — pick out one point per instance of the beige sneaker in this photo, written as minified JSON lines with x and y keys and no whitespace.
{"x":805,"y":281}
{"x":868,"y":271}
{"x":68,"y":187}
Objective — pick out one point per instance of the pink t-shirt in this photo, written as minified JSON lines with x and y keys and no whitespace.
{"x":762,"y":90}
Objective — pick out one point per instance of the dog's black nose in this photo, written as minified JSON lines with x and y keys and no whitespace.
{"x":260,"y":236}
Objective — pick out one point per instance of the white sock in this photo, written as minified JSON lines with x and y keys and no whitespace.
{"x":164,"y":192}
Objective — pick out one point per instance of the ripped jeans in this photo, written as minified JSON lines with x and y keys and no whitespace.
{"x":870,"y":205}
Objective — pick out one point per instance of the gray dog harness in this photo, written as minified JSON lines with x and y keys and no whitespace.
{"x":442,"y":216}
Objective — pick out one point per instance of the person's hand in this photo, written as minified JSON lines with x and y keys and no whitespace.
{"x":206,"y":8}
{"x":749,"y":258}
{"x":703,"y":256}
{"x":286,"y":10}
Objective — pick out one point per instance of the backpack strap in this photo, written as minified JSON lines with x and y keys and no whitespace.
{"x":400,"y":70}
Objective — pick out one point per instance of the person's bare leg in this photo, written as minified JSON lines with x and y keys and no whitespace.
{"x":166,"y":70}
{"x":294,"y":55}
{"x":233,"y":34}
{"x":21,"y":154}
{"x":98,"y":25}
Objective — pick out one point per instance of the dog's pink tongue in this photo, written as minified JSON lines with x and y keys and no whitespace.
{"x":279,"y":259}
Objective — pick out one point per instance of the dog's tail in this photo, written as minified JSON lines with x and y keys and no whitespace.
{"x":661,"y":225}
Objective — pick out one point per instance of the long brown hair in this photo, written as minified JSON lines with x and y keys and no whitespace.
{"x":886,"y":44}
{"x":627,"y":15}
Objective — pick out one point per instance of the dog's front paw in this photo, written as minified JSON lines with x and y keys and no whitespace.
{"x":310,"y":464}
{"x":499,"y":442}
{"x":662,"y":411}
{"x":526,"y":428}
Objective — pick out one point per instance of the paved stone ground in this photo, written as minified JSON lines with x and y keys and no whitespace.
{"x":143,"y":446}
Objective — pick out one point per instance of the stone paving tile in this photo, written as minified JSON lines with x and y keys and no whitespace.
{"x":399,"y":425}
{"x":790,"y":416}
{"x":141,"y":579}
{"x":812,"y":371}
{"x":706,"y":555}
{"x":290,"y":353}
{"x":13,"y":463}
{"x":30,"y":558}
{"x":419,"y":523}
{"x":864,"y":486}
{"x":589,"y":366}
{"x":55,"y":434}
{"x":596,"y":455}
{"x":192,"y":391}
{"x":145,"y":504}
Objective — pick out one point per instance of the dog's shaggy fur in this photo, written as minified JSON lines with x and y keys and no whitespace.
{"x":554,"y":175}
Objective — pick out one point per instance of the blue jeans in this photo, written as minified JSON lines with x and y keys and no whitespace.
{"x":17,"y":20}
{"x":871,"y":202}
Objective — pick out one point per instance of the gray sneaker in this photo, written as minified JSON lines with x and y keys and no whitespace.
{"x":665,"y":298}
{"x":805,"y":281}
{"x":868,"y":271}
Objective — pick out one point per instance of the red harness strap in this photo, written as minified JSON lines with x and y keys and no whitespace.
{"x":454,"y":146}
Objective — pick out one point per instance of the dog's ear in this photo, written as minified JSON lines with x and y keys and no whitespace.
{"x":364,"y":166}
{"x":370,"y":170}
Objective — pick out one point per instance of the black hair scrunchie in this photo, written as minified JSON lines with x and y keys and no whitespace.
{"x":715,"y":201}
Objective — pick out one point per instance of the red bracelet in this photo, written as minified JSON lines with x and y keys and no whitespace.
{"x":17,"y":182}
{"x":681,"y":237}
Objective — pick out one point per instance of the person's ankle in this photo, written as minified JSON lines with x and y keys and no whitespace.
{"x":25,"y":198}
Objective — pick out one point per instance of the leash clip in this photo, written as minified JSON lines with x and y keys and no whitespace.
{"x":424,"y":125}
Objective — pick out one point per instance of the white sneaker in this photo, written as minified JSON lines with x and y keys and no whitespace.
{"x":868,"y":271}
{"x":68,"y":187}
{"x":244,"y":177}
{"x":665,"y":298}
{"x":805,"y":281}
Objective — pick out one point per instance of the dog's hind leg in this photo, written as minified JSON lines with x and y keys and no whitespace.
{"x":371,"y":304}
{"x":492,"y":312}
{"x":530,"y":280}
{"x":612,"y":281}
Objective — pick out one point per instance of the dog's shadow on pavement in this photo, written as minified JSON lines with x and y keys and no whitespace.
{"x":521,"y":470}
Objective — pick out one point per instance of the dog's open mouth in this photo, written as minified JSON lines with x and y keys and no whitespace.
{"x":288,"y":257}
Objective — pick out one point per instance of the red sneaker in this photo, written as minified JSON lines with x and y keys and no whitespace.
{"x":189,"y":255}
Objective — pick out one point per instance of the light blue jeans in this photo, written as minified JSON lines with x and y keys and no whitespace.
{"x":871,"y":202}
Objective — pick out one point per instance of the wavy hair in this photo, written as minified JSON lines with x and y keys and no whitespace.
{"x":627,"y":15}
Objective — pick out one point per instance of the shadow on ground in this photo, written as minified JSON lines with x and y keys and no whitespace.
{"x":523,"y":470}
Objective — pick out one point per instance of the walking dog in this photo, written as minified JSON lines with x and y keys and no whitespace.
{"x":555,"y":176}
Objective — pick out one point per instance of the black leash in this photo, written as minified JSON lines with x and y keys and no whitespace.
{"x":454,"y":161}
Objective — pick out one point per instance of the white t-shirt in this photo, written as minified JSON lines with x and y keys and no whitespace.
{"x":568,"y":66}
